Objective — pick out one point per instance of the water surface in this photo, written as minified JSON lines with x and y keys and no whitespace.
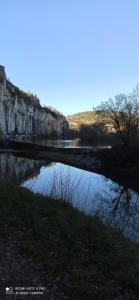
{"x":73,"y":143}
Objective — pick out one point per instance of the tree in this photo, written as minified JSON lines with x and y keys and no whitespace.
{"x":122,"y":115}
{"x":92,"y":132}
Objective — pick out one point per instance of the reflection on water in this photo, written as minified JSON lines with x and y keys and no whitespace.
{"x":120,"y":208}
{"x":19,"y":168}
{"x":74,"y":143}
{"x":90,"y":192}
{"x":57,"y":143}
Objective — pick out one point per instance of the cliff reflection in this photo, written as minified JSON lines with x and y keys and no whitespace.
{"x":18,"y":168}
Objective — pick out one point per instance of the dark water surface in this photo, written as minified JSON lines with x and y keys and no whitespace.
{"x":90,"y":192}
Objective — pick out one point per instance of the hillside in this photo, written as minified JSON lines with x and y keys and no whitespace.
{"x":89,"y":126}
{"x":84,"y":118}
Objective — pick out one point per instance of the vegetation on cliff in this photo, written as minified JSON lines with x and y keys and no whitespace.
{"x":32,"y":99}
{"x":28,"y":97}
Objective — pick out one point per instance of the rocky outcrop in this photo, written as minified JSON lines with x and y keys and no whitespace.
{"x":21,"y":113}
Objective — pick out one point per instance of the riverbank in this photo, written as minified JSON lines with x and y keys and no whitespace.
{"x":46,"y":242}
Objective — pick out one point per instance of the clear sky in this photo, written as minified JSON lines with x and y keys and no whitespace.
{"x":71,"y":53}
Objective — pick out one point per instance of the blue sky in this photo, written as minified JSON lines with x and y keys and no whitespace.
{"x":72,"y":53}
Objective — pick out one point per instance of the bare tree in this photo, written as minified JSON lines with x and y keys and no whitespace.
{"x":122,"y":115}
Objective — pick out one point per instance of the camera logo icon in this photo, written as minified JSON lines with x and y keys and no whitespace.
{"x":9,"y":290}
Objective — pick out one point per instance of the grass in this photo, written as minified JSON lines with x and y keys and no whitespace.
{"x":97,"y":260}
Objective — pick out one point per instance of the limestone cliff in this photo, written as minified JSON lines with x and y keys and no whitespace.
{"x":21,"y":113}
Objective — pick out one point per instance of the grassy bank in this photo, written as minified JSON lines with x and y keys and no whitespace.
{"x":74,"y":256}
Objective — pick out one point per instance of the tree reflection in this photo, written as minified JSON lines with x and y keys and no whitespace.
{"x":120,"y":208}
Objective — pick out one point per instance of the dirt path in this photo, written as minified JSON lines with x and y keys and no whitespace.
{"x":19,"y":271}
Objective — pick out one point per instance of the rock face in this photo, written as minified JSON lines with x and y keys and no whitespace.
{"x":21,"y":113}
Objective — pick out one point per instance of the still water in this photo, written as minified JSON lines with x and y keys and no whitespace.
{"x":61,"y":143}
{"x":87,"y":191}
